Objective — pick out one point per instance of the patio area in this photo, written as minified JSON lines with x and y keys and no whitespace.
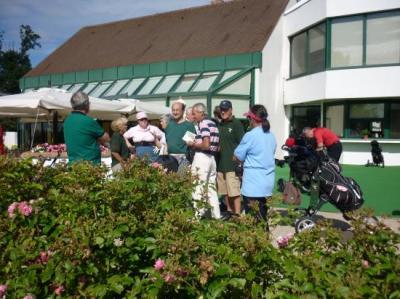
{"x":379,"y":186}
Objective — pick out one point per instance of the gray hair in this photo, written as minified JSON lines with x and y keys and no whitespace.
{"x":117,"y":124}
{"x":200,"y":107}
{"x":79,"y":101}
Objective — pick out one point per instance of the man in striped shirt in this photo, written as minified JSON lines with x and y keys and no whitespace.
{"x":204,"y":167}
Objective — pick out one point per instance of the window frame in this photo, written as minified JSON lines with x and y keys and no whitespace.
{"x":386,"y":120}
{"x":328,"y":43}
{"x":307,"y":50}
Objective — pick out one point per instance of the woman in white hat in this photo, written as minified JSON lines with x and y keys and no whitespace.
{"x":146,"y":138}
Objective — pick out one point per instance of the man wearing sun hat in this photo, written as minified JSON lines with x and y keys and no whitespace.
{"x":145,"y":137}
{"x":231,"y":132}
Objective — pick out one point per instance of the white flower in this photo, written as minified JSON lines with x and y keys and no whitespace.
{"x":118,"y":242}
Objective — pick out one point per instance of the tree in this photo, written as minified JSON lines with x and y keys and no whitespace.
{"x":29,"y":39}
{"x":15,"y":64}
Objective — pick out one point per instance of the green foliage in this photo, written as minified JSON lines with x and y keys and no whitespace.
{"x":29,"y":39}
{"x":15,"y":64}
{"x":89,"y":236}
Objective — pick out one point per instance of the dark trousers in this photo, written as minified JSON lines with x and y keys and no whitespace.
{"x":335,"y":151}
{"x":262,"y":206}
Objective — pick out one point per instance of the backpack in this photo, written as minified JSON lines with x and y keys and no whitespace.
{"x":291,"y":194}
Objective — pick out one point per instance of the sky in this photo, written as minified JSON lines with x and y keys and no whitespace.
{"x":57,"y":20}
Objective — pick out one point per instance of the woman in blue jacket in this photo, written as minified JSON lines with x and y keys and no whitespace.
{"x":257,"y":153}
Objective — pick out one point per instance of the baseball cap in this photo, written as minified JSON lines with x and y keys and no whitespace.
{"x":141,"y":115}
{"x":225,"y":105}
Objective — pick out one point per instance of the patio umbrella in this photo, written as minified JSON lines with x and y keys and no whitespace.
{"x":52,"y":103}
{"x":39,"y":103}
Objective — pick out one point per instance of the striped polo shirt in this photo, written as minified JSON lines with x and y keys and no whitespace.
{"x":207,"y":128}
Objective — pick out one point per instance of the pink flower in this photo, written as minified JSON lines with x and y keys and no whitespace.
{"x":11,"y":209}
{"x":29,"y":297}
{"x":283,"y":241}
{"x":24,"y":208}
{"x":365,"y":263}
{"x":169,"y":278}
{"x":156,"y":165}
{"x":44,"y":256}
{"x":59,"y":290}
{"x":159,"y":264}
{"x":182,"y":272}
{"x":3,"y":289}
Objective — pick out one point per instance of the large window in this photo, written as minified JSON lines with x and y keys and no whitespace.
{"x":360,"y":119}
{"x":364,"y":118}
{"x":305,"y":116}
{"x":383,"y":39}
{"x":316,"y":56}
{"x":308,"y":51}
{"x":395,"y":120}
{"x":298,"y":62}
{"x":334,"y":119}
{"x":347,"y":42}
{"x":353,"y":41}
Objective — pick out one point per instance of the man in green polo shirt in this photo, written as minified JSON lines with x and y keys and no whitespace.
{"x":230,"y":134}
{"x":176,"y":129}
{"x":83,"y":135}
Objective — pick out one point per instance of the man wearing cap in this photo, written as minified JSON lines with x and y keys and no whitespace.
{"x":83,"y":134}
{"x":175,"y":130}
{"x":231,"y":132}
{"x":145,"y":137}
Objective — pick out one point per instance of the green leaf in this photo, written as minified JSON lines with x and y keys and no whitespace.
{"x":68,"y":266}
{"x":99,"y":240}
{"x":223,"y":270}
{"x":47,"y":273}
{"x":238,"y":283}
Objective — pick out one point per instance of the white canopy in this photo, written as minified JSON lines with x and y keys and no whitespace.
{"x":45,"y":100}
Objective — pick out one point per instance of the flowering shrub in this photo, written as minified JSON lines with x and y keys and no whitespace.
{"x":136,"y":236}
{"x":55,"y":148}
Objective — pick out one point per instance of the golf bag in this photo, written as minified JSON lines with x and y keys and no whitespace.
{"x":343,"y":192}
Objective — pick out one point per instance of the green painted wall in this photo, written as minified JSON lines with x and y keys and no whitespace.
{"x":144,"y":70}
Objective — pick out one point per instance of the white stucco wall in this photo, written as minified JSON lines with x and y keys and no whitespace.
{"x":357,"y":83}
{"x":358,"y":152}
{"x":270,"y":85}
{"x":308,"y":12}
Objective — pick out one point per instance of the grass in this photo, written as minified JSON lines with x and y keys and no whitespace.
{"x":379,"y":185}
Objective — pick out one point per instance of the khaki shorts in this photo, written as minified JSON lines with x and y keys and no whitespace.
{"x":228,"y":183}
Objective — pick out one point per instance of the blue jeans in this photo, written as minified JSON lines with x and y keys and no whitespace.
{"x":146,"y":151}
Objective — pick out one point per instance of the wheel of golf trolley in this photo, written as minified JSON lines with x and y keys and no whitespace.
{"x":303,"y":224}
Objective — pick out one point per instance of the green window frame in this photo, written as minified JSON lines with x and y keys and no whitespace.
{"x":348,"y":121}
{"x":329,"y":24}
{"x":309,"y":43}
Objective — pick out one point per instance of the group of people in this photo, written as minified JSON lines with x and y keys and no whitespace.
{"x":219,"y":148}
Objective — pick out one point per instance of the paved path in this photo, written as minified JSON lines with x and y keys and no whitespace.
{"x":338,"y":221}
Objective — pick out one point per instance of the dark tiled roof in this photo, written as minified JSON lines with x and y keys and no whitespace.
{"x":236,"y":27}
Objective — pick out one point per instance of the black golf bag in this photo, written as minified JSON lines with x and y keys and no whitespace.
{"x":168,"y":162}
{"x":343,"y":192}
